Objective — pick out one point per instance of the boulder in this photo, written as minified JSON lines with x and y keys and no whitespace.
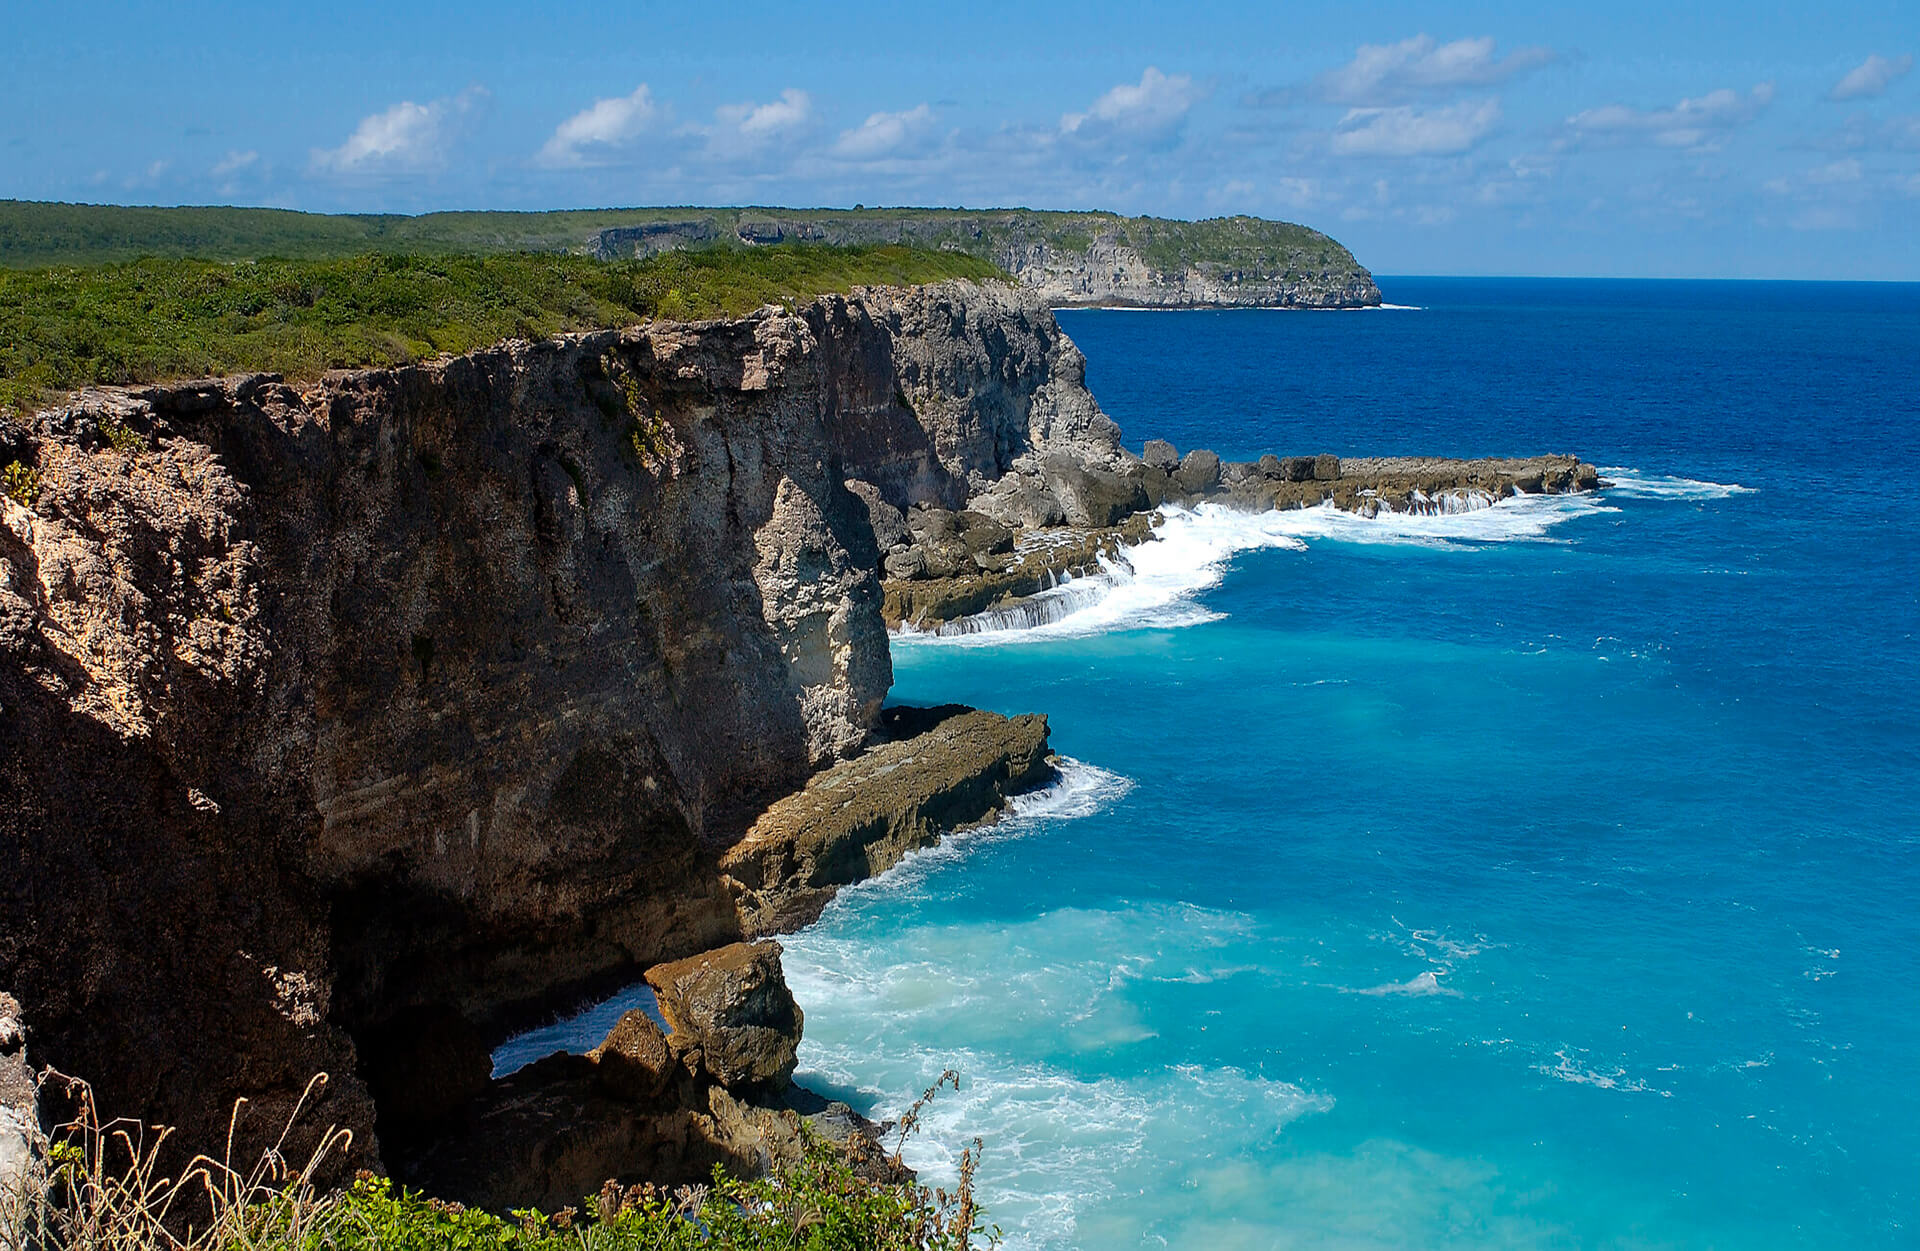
{"x":947,"y":556}
{"x":1297,"y":469}
{"x":634,"y":1061}
{"x":1272,"y":469}
{"x":1159,"y":454}
{"x":947,"y":768}
{"x":983,"y":534}
{"x":1234,"y":472}
{"x":889,"y":523}
{"x":1021,"y":500}
{"x":733,"y":1004}
{"x":1326,"y":467}
{"x":1199,"y":472}
{"x":928,"y":524}
{"x":1096,"y":495}
{"x":905,"y":563}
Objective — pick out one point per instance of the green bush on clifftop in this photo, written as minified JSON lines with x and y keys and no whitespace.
{"x":152,"y":319}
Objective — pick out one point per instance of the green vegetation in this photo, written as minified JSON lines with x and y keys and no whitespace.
{"x":101,"y":1188}
{"x":21,"y":483}
{"x":36,"y":234}
{"x":152,"y":319}
{"x":820,"y":1204}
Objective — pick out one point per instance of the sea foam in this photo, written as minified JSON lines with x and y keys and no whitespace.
{"x":1633,"y":484}
{"x":1154,"y":585}
{"x":1080,"y":790}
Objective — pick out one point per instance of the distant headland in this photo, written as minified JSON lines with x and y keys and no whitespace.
{"x":1069,"y":259}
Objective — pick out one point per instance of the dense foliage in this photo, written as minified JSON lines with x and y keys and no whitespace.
{"x":146,"y":320}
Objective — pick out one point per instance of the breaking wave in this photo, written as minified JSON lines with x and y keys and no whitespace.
{"x":1634,"y":485}
{"x":1155,"y":584}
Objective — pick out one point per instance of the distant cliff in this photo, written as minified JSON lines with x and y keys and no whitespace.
{"x":1066,"y":258}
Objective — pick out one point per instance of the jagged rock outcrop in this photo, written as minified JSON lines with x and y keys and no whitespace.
{"x":348,"y":725}
{"x":733,"y":1005}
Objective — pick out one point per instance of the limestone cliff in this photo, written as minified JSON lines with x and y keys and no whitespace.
{"x":344,"y":726}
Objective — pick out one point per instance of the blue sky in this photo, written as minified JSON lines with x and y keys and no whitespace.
{"x":1712,"y":139}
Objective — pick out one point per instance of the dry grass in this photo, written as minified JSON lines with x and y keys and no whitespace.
{"x":101,"y":1187}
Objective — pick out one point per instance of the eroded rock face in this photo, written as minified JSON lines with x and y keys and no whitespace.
{"x":734,"y":1006}
{"x":351,"y":724}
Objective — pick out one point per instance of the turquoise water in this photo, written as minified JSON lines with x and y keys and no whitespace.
{"x":1538,"y":877}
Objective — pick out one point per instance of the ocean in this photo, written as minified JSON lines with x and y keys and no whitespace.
{"x":1541,"y":876}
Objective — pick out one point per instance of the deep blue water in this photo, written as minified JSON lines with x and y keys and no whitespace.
{"x":1544,"y":876}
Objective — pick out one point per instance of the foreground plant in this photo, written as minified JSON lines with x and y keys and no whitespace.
{"x":102,"y":1189}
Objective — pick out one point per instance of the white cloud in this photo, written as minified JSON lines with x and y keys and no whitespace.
{"x":1407,"y":131}
{"x":1391,"y":72}
{"x":1153,"y":108}
{"x":234,"y":162}
{"x":1842,"y":173}
{"x":605,"y":125}
{"x":882,"y":134}
{"x":760,"y":122}
{"x":1871,"y":77}
{"x":1689,"y":124}
{"x":407,"y":138}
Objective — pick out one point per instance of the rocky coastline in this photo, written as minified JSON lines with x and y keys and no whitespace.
{"x":352,"y":727}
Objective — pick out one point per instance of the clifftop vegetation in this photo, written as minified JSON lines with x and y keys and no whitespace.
{"x":157,"y":318}
{"x":34,"y":233}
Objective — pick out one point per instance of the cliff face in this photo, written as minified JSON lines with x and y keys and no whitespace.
{"x":341,"y":727}
{"x":1110,"y":273}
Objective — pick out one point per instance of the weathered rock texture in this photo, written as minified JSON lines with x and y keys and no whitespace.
{"x":342,"y":727}
{"x":951,"y":768}
{"x":734,"y":1006}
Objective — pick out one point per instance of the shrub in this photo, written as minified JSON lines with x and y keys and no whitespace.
{"x":21,"y":483}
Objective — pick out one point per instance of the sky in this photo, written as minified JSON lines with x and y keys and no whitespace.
{"x":1717,"y":138}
